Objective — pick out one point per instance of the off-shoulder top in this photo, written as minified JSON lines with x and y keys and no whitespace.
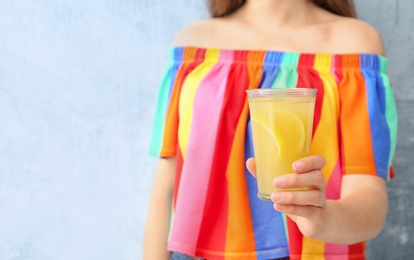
{"x":202,"y":119}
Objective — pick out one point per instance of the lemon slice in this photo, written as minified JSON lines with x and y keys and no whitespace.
{"x":298,"y":128}
{"x":269,"y":136}
{"x":294,"y":129}
{"x":269,"y":147}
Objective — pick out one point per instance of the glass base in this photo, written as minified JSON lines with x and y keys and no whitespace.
{"x":265,"y":197}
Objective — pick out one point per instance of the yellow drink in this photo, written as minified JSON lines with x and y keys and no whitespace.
{"x":281,"y":122}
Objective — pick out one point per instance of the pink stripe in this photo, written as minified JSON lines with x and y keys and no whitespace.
{"x":336,"y":257}
{"x":333,"y":187}
{"x":334,"y":251}
{"x":207,"y":107}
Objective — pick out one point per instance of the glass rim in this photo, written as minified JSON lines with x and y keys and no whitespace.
{"x":268,"y":92}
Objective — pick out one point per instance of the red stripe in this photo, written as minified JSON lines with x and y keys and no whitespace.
{"x":337,"y":65}
{"x":392,"y":174}
{"x":309,"y":78}
{"x":241,"y":227}
{"x":177,"y":178}
{"x":295,"y":238}
{"x":357,"y":250}
{"x":215,"y":222}
{"x":338,"y":72}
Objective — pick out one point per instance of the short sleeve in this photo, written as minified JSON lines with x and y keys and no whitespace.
{"x":368,"y":119}
{"x":163,"y":141}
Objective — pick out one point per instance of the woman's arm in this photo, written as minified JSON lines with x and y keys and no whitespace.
{"x":360,"y":213}
{"x":159,"y":213}
{"x":357,"y":216}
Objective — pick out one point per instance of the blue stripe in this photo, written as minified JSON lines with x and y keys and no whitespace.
{"x":267,"y":237}
{"x":271,"y":68}
{"x":376,"y":101}
{"x":177,"y":59}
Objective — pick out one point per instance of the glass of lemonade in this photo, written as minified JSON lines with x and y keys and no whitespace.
{"x":281,"y":121}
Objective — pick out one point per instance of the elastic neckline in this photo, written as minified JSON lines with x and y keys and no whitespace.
{"x":361,"y":61}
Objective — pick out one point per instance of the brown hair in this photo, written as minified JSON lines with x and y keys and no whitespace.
{"x":220,"y":8}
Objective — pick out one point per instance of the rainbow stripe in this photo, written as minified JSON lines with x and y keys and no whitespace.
{"x":202,"y":119}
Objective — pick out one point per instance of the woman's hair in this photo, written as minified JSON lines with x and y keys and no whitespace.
{"x":220,"y":8}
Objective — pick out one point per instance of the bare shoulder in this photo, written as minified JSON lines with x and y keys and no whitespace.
{"x":197,"y":34}
{"x":357,"y":36}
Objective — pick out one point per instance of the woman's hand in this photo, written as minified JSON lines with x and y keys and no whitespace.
{"x":306,"y":207}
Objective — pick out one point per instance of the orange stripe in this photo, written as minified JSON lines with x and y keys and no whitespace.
{"x":169,"y":142}
{"x":354,"y":115}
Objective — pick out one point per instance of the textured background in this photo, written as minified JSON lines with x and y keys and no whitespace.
{"x":78,"y":81}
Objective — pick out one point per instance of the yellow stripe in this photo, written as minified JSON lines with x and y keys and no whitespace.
{"x":325,"y":141}
{"x":188,"y":92}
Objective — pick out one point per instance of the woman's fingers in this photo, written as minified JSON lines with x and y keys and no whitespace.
{"x":311,"y":165}
{"x":300,"y":198}
{"x":311,"y":213}
{"x":251,"y":166}
{"x":311,"y":180}
{"x":306,"y":164}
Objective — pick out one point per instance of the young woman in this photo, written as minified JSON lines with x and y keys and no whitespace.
{"x":204,"y":199}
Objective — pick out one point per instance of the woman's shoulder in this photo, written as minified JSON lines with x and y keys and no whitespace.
{"x":198,"y":33}
{"x":352,"y":35}
{"x":342,"y":34}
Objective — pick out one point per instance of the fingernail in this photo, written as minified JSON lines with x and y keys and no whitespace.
{"x":278,"y":207}
{"x":277,"y":196}
{"x":299,"y":165}
{"x":279,"y":181}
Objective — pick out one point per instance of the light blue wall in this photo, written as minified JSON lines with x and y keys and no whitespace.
{"x":78,"y":81}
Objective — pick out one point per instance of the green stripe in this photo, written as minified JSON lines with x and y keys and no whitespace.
{"x":285,"y":225}
{"x":391,"y":109}
{"x":161,"y":107}
{"x":288,"y":75}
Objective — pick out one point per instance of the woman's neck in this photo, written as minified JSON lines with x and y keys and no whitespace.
{"x":278,"y":13}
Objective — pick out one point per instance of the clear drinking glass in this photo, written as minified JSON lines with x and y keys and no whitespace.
{"x":282,"y":121}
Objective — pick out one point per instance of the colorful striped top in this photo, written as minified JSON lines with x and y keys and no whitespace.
{"x":202,"y":119}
